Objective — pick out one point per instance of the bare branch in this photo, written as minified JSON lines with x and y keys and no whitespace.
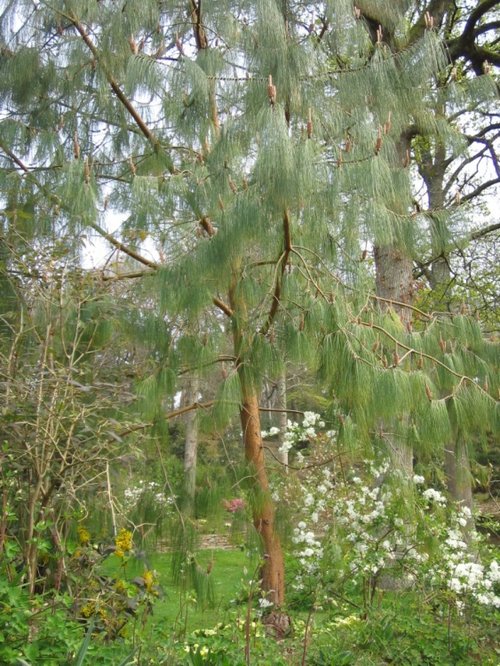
{"x":480,"y":233}
{"x":222,"y":306}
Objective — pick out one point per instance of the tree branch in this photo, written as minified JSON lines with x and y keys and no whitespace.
{"x":123,"y":248}
{"x":222,"y":306}
{"x":476,"y":14}
{"x":150,"y":136}
{"x":287,"y":241}
{"x":111,"y":239}
{"x":465,"y":46}
{"x":14,"y":158}
{"x":479,"y":189}
{"x":124,"y":276}
{"x":480,"y":233}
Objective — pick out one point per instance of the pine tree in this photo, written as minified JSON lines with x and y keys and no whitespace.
{"x":259,"y":146}
{"x":453,"y":191}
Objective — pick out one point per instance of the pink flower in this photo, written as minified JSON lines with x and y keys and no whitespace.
{"x":233,"y":505}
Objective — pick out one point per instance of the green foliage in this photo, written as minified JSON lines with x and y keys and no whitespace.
{"x":247,"y":152}
{"x":401,"y":632}
{"x":55,"y":635}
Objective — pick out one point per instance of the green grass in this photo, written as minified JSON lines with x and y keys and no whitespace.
{"x":177,"y":609}
{"x":399,"y":629}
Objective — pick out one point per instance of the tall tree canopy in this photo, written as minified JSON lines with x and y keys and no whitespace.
{"x":258,"y":148}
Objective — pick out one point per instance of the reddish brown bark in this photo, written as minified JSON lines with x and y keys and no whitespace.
{"x":273,"y":570}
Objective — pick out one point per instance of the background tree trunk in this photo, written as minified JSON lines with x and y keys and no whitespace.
{"x":456,"y":458}
{"x":393,"y":282}
{"x":282,"y":416}
{"x":190,"y":445}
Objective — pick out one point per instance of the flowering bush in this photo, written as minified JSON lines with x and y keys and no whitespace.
{"x":371,"y":542}
{"x":372,"y":529}
{"x":146,"y":490}
{"x":458,"y":568}
{"x":234,"y":505}
{"x":296,"y":433}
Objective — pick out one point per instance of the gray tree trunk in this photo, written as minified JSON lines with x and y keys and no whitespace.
{"x":283,"y":416}
{"x":190,"y":444}
{"x":458,"y":473}
{"x":456,"y":458}
{"x":394,"y":287}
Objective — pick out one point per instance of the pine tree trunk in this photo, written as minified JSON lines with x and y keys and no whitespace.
{"x":190,"y":446}
{"x":394,"y":279}
{"x":273,"y":570}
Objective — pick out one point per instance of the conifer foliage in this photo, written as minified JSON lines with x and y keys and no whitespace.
{"x":251,"y":150}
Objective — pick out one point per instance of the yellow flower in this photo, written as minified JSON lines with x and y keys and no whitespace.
{"x":123,"y":542}
{"x":149,"y":579}
{"x":88,"y":609}
{"x":120,"y":586}
{"x":347,"y":620}
{"x":83,"y":535}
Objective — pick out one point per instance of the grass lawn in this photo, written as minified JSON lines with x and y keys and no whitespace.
{"x":398,"y":629}
{"x":178,"y":610}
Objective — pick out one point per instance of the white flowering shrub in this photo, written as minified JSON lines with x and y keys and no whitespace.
{"x":296,"y":433}
{"x":371,"y":533}
{"x":458,"y":568}
{"x":147,"y":491}
{"x":371,"y":529}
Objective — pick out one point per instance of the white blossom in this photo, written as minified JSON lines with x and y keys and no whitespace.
{"x":265,"y":603}
{"x":434,"y":496}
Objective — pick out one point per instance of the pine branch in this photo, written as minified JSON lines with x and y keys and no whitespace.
{"x":150,"y":136}
{"x":14,"y":158}
{"x":219,"y":359}
{"x":189,"y":408}
{"x":421,"y":354}
{"x":111,"y":239}
{"x":124,"y":276}
{"x":435,"y":9}
{"x":281,"y":411}
{"x":222,"y":306}
{"x":122,"y":247}
{"x":282,"y":262}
